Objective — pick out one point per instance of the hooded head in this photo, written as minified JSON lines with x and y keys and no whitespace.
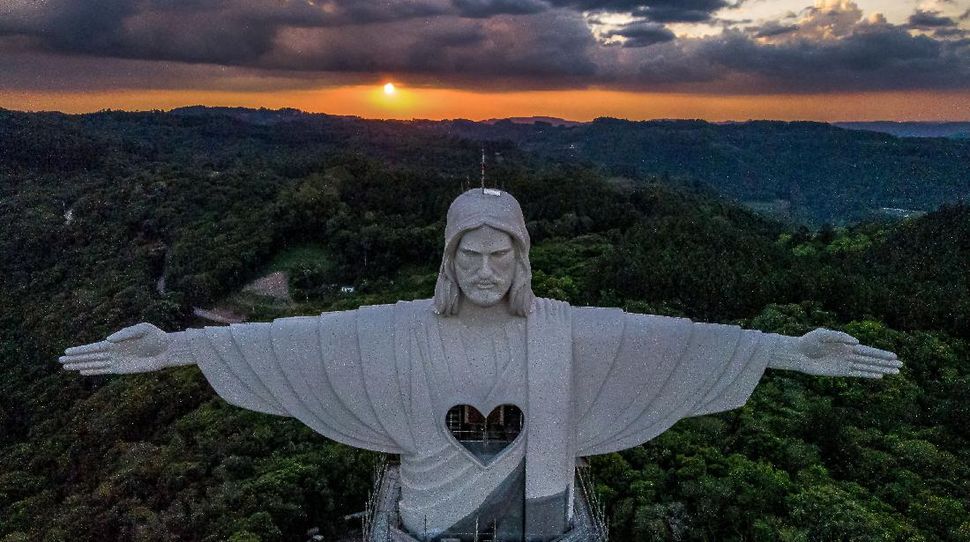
{"x":471,"y":211}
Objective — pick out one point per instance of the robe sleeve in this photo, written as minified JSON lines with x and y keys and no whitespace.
{"x":310,"y":368}
{"x":636,"y":375}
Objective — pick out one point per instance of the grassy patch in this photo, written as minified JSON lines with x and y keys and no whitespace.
{"x":294,"y":259}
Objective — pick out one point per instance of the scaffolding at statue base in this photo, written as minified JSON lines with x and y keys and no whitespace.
{"x":382,"y":522}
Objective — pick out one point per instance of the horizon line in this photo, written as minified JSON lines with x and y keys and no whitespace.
{"x":534,"y":118}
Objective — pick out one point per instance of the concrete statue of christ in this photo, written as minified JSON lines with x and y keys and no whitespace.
{"x":587,"y":380}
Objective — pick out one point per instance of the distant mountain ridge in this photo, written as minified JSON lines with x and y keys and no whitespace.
{"x":554,"y":121}
{"x":261,"y":116}
{"x":953,"y":129}
{"x":959,"y":130}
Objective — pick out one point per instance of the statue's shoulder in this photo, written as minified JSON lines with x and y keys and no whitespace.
{"x":390,"y":308}
{"x":418,"y":308}
{"x":371,"y":319}
{"x":591,"y":322}
{"x":545,"y":304}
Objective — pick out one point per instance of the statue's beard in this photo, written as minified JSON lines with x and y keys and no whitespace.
{"x":484,"y":297}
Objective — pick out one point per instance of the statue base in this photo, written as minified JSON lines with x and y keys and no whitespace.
{"x":382,"y":522}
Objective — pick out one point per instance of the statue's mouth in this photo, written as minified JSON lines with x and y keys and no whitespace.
{"x":485,"y":285}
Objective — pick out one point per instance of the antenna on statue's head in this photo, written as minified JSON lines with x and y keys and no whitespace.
{"x":488,"y":191}
{"x":483,"y":168}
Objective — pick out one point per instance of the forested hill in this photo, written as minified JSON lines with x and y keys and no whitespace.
{"x":805,"y":171}
{"x":95,"y":209}
{"x":800,"y":172}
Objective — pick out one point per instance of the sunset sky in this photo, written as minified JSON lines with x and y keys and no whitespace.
{"x":577,"y":59}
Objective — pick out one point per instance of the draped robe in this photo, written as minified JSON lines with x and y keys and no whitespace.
{"x":588,"y":380}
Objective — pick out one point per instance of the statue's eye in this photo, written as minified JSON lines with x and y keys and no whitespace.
{"x":500,"y":253}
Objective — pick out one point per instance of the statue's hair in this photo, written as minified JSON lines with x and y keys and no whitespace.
{"x":448,"y":295}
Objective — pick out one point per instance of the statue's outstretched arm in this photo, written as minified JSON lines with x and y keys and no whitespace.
{"x":833,"y":353}
{"x":310,"y":368}
{"x":140,"y":348}
{"x":635,"y":375}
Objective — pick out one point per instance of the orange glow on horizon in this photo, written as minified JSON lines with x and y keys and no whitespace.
{"x":582,"y":105}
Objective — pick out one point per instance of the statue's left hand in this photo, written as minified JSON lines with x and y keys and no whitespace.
{"x":834,"y":353}
{"x":136,"y":349}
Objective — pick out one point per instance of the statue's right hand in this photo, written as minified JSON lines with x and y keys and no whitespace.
{"x":137,"y":349}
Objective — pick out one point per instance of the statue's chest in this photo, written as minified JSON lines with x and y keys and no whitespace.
{"x":487,"y":364}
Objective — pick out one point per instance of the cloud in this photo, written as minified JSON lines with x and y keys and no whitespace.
{"x":689,"y":11}
{"x":772,"y":29}
{"x":877,"y":57}
{"x":499,"y":44}
{"x":929,"y":19}
{"x":829,"y":19}
{"x":27,"y":70}
{"x":489,"y":8}
{"x":642,"y":34}
{"x":221,"y":31}
{"x":534,"y":50}
{"x":661,"y":11}
{"x":949,"y":32}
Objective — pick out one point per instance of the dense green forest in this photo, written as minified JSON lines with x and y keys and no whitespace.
{"x":95,"y":209}
{"x":801,"y":172}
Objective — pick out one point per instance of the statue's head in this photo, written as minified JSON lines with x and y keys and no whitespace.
{"x":486,"y":256}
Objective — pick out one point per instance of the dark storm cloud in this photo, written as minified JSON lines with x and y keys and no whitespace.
{"x":772,"y":29}
{"x":693,"y":11}
{"x":539,"y":50}
{"x":642,"y":34}
{"x":661,"y":11}
{"x":219,"y":31}
{"x":950,"y":32}
{"x":182,"y":31}
{"x":83,"y":27}
{"x":880,"y":57}
{"x":929,"y":19}
{"x":27,"y":71}
{"x":507,"y":44}
{"x":489,"y":8}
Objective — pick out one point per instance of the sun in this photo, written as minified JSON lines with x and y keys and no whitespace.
{"x":389,"y":89}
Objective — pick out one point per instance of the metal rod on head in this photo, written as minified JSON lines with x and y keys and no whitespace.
{"x":483,"y":168}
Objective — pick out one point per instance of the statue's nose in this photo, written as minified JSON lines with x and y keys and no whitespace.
{"x":485,"y":269}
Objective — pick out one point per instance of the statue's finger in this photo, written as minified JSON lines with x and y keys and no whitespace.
{"x":875,"y":368}
{"x":832,"y":336}
{"x":96,"y":356}
{"x":99,"y":346}
{"x":883,"y":362}
{"x":88,"y":365}
{"x":128,"y":333}
{"x":94,"y":372}
{"x":864,"y":374}
{"x":864,"y":350}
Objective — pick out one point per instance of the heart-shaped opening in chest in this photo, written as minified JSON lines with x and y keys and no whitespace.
{"x":485,"y":436}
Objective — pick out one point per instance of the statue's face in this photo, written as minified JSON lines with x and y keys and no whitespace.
{"x":484,"y":265}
